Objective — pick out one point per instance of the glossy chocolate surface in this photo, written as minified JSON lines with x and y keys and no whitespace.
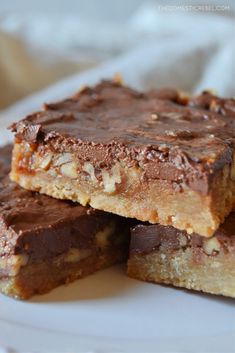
{"x":184,"y":140}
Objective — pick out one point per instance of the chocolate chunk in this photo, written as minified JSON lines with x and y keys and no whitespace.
{"x":147,"y":238}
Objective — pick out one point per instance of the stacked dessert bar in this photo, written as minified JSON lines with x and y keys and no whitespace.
{"x":158,"y":157}
{"x":46,"y":242}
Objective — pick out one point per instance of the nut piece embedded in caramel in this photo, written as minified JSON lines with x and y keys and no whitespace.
{"x":69,"y":170}
{"x":46,"y":161}
{"x":211,"y":246}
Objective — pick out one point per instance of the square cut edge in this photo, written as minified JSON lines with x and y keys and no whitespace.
{"x":123,"y":192}
{"x":163,"y":255}
{"x":46,"y":242}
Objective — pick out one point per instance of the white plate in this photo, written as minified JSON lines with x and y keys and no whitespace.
{"x":108,"y":312}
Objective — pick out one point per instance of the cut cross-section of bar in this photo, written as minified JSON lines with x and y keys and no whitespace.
{"x":154,"y":156}
{"x":46,"y":242}
{"x":163,"y":254}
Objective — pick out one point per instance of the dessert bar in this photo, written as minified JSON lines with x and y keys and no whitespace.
{"x":157,"y":156}
{"x":163,"y":254}
{"x":46,"y":242}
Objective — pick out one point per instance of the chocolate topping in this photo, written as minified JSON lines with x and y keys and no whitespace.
{"x":168,"y":136}
{"x":40,"y":226}
{"x":147,"y":238}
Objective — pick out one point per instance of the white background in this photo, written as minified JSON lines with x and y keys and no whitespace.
{"x":43,"y":41}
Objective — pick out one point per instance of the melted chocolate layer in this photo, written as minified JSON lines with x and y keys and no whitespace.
{"x":41,"y":226}
{"x":147,"y":238}
{"x":169,"y":136}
